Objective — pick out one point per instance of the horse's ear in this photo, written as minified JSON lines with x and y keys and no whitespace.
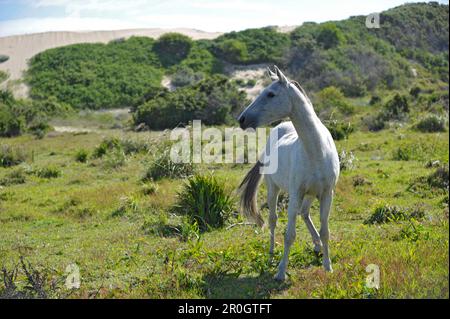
{"x":272,"y":75}
{"x":281,"y":76}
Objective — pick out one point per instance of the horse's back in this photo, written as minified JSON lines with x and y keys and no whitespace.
{"x":294,"y":163}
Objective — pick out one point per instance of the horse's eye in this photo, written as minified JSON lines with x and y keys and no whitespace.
{"x":270,"y":94}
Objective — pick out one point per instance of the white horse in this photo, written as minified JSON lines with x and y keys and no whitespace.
{"x":308,"y":164}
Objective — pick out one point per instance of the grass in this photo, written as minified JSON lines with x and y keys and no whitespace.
{"x":127,"y":242}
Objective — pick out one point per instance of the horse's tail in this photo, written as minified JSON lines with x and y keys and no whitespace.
{"x":249,"y":189}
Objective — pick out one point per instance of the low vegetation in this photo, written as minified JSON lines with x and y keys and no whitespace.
{"x":204,"y":200}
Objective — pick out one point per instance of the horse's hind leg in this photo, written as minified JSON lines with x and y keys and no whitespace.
{"x":304,"y":212}
{"x":289,"y":236}
{"x":272,"y":198}
{"x":325,"y":207}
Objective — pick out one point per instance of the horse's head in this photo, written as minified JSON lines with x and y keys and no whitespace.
{"x":272,"y":104}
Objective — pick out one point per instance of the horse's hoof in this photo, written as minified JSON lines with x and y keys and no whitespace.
{"x":279,"y":277}
{"x":318,"y":251}
{"x":328,"y":268}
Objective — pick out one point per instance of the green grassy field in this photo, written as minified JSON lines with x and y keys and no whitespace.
{"x":128,"y":244}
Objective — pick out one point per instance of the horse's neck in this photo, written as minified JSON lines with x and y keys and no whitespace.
{"x":306,"y":123}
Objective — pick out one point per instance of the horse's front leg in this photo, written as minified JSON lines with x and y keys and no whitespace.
{"x":289,"y":237}
{"x":325,"y":208}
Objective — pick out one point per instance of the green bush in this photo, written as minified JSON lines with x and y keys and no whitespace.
{"x":329,"y":36}
{"x":10,"y":124}
{"x":402,"y":154}
{"x":339,"y":130}
{"x":48,"y":172}
{"x":164,"y":167}
{"x":386,"y":213}
{"x":234,"y":51}
{"x":114,"y":159}
{"x":415,"y":91}
{"x":431,"y":123}
{"x":396,"y":108}
{"x":439,"y":178}
{"x":262,"y":45}
{"x":375,"y":123}
{"x":375,"y":99}
{"x":185,"y":76}
{"x":3,"y":76}
{"x":13,"y":178}
{"x":205,"y":201}
{"x":81,"y":156}
{"x":149,"y":188}
{"x":172,"y":48}
{"x":3,"y":58}
{"x":251,"y":83}
{"x":213,"y":100}
{"x":126,"y":146}
{"x":109,"y":143}
{"x":330,"y":100}
{"x":10,"y":156}
{"x":95,"y":75}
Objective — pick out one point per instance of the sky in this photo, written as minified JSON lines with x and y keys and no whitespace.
{"x":31,"y":16}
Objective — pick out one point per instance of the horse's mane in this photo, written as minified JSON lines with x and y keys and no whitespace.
{"x":298,"y":86}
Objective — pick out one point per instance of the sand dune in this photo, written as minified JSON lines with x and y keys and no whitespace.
{"x":20,"y":48}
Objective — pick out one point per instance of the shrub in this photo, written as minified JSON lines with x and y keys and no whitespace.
{"x":339,"y":131}
{"x":172,"y":48}
{"x":213,"y":100}
{"x":251,"y":83}
{"x":431,"y":123}
{"x":330,"y":36}
{"x":204,"y":200}
{"x":128,"y":204}
{"x":81,"y":156}
{"x":415,"y":91}
{"x":130,"y":146}
{"x":412,"y":232}
{"x":10,"y":156}
{"x":331,"y":99}
{"x":48,"y":172}
{"x":149,"y":188}
{"x":106,"y":145}
{"x":3,"y":58}
{"x":375,"y":99}
{"x":385,"y":213}
{"x":13,"y":178}
{"x":163,"y":166}
{"x":10,"y":124}
{"x":185,"y":76}
{"x":39,"y":128}
{"x":3,"y":76}
{"x":347,"y":160}
{"x":234,"y":51}
{"x":261,"y":45}
{"x":96,"y":75}
{"x":114,"y":159}
{"x":375,"y":123}
{"x":396,"y":108}
{"x":439,"y":178}
{"x":402,"y":153}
